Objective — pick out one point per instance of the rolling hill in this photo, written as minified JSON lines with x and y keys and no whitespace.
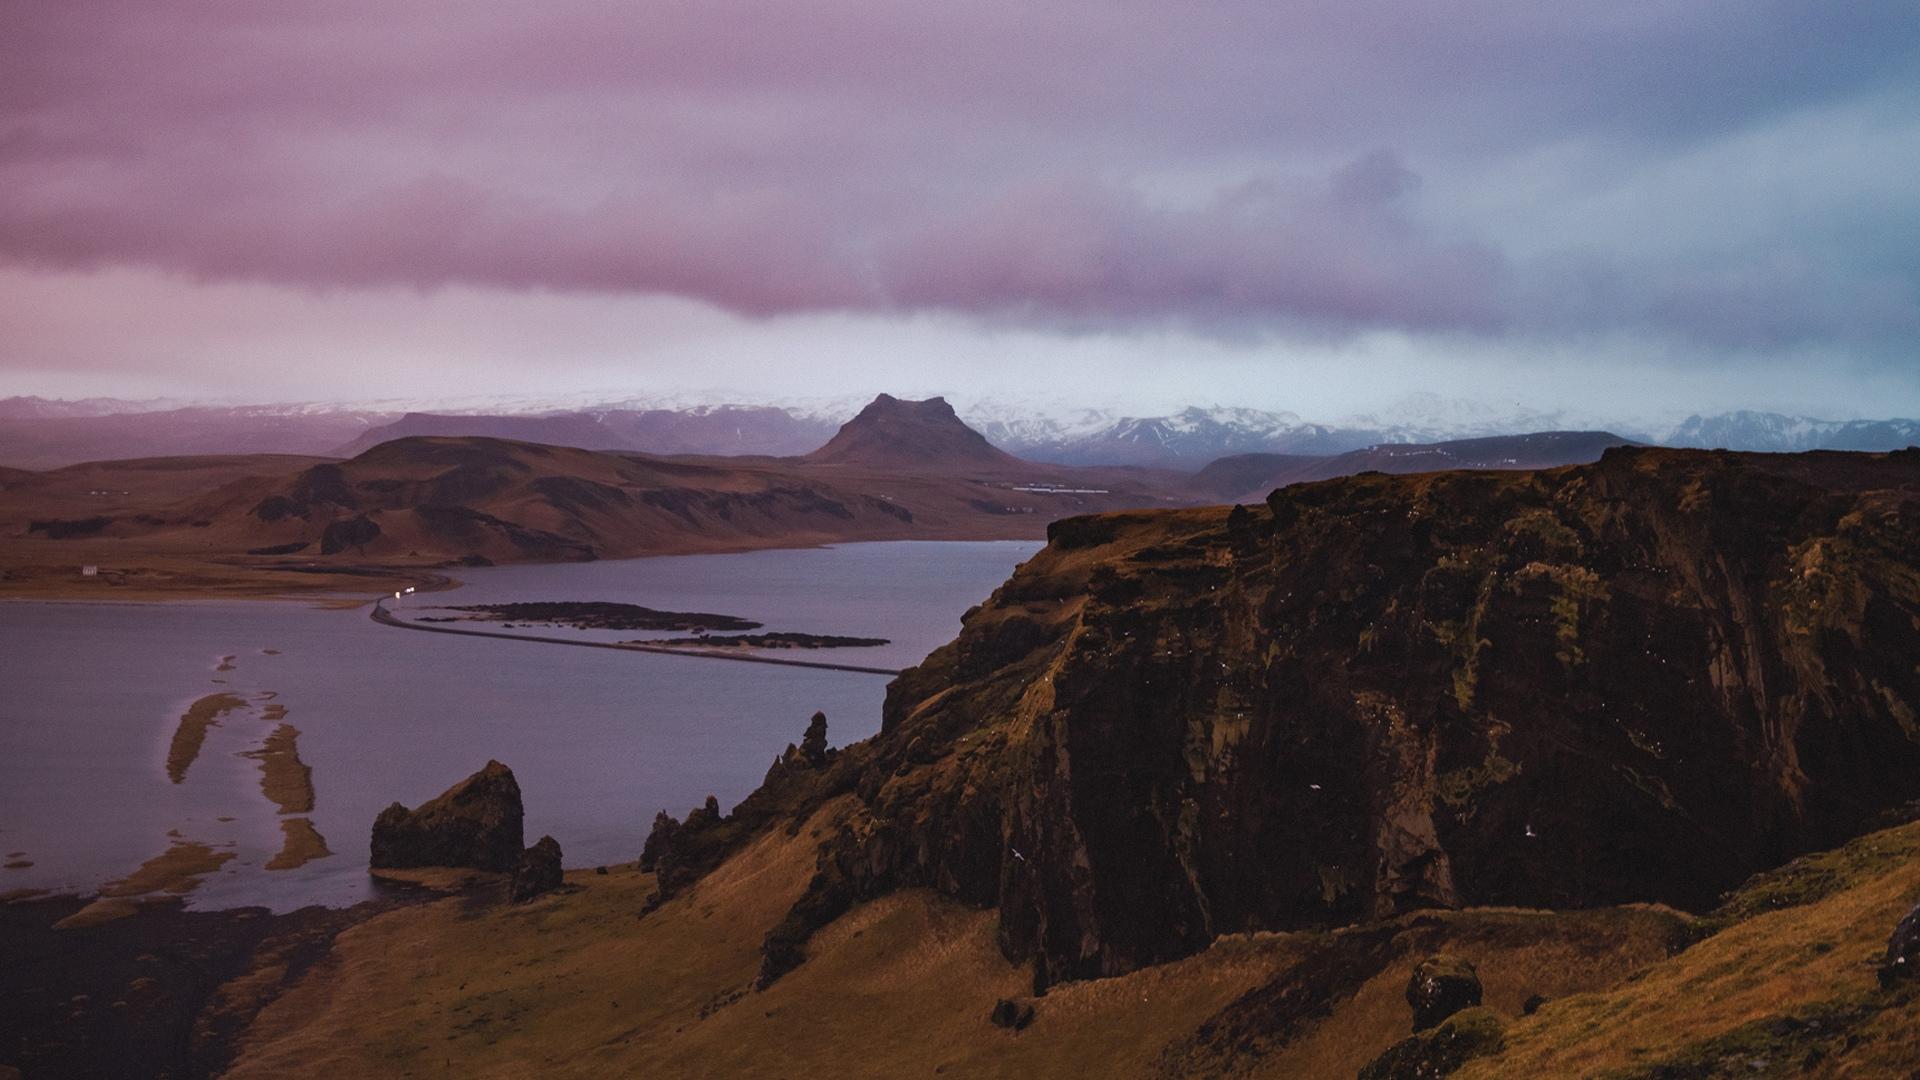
{"x":899,"y":470}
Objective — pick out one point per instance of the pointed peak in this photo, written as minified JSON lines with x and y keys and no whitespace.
{"x":896,"y":432}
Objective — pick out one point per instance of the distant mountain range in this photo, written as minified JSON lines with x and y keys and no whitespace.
{"x":1249,"y":477}
{"x":40,"y":433}
{"x":897,"y":470}
{"x":1786,"y":434}
{"x":713,"y":429}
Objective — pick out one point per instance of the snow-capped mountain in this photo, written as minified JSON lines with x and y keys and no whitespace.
{"x":1428,"y":417}
{"x":1187,"y":439}
{"x":39,"y":408}
{"x":43,"y":433}
{"x":1194,"y":436}
{"x":1781,"y":433}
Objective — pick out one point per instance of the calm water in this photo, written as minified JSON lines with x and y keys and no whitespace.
{"x":91,"y":694}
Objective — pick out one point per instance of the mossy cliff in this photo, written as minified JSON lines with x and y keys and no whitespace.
{"x":1642,"y":679}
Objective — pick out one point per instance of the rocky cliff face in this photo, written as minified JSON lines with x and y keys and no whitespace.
{"x":1641,"y":679}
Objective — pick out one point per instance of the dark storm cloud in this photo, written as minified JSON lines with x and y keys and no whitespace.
{"x":1287,"y":165}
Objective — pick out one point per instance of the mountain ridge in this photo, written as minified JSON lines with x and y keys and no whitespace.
{"x":895,"y":433}
{"x":45,"y":433}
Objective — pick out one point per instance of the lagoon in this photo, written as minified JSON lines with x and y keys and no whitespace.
{"x":91,"y":696}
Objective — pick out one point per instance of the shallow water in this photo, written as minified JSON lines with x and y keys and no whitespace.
{"x":91,"y":695}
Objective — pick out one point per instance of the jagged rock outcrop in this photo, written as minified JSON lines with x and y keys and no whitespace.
{"x":1441,"y":986}
{"x":1013,"y":1015}
{"x":477,"y":823}
{"x":679,"y":852}
{"x":1902,"y":960}
{"x":1641,"y":679}
{"x":538,"y":872}
{"x":813,"y":745}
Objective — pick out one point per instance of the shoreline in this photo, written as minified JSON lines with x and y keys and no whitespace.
{"x":166,"y":985}
{"x":379,"y":580}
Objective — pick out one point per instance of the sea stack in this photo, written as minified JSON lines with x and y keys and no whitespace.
{"x":476,"y":824}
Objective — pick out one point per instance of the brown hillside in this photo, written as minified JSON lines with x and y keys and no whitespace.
{"x":423,"y":502}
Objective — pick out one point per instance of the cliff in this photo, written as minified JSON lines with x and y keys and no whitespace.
{"x":1641,"y":679}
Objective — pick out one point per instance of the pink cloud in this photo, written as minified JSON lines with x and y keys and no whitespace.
{"x":992,"y":158}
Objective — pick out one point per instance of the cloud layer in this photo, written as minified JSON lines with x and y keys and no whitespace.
{"x":1500,"y":169}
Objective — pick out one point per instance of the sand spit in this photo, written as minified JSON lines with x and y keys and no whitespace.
{"x":302,"y":844}
{"x":103,"y":910}
{"x":174,"y":871}
{"x":284,"y":778}
{"x":226,"y":664}
{"x":192,"y":731}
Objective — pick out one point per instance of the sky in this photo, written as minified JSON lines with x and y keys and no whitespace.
{"x":1632,"y":208}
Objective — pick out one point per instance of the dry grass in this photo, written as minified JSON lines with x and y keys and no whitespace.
{"x":571,"y":984}
{"x":1767,"y":966}
{"x":577,"y":985}
{"x":284,"y":778}
{"x":300,"y":845}
{"x":1518,"y":954}
{"x":192,"y":732}
{"x":173,"y":872}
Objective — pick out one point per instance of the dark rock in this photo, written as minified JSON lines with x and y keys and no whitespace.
{"x":601,"y":870}
{"x":476,"y":823}
{"x":659,"y":840}
{"x":275,"y":507}
{"x":1903,"y":950}
{"x":1091,"y":530}
{"x":1015,"y":1015}
{"x":355,"y":532}
{"x":1435,"y":1053}
{"x":813,"y":745}
{"x":1532,"y":1004}
{"x":1638,"y":680}
{"x":1441,"y":986}
{"x":539,"y":870}
{"x":63,"y":529}
{"x":828,"y":896}
{"x":1299,"y":994}
{"x":1286,"y":511}
{"x":679,"y":852}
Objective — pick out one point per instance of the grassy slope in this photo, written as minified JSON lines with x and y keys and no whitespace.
{"x":576,"y":984}
{"x":1708,"y":1011}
